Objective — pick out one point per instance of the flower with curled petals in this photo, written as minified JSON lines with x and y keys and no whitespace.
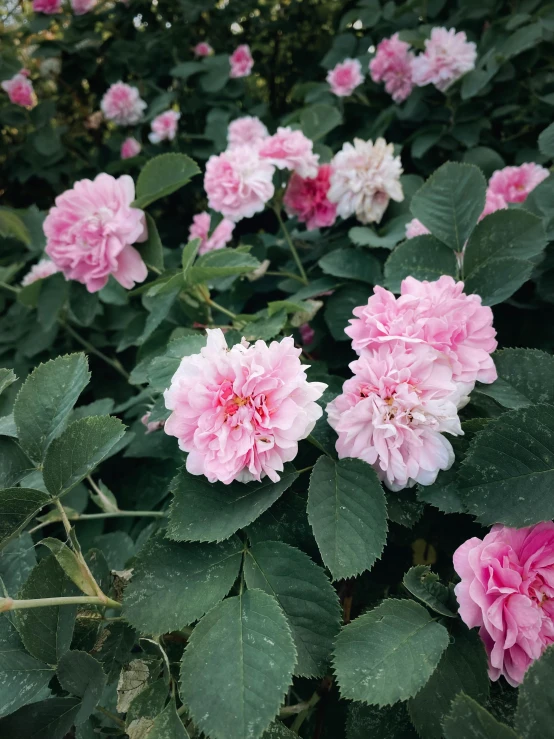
{"x":122,"y":104}
{"x":288,"y":149}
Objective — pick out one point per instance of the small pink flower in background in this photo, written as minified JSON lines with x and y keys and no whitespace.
{"x":164,"y":127}
{"x":288,"y":149}
{"x":203,"y":49}
{"x":122,"y":104}
{"x":39,"y":271}
{"x":130,"y":148}
{"x":416,"y":228}
{"x":364,"y":177}
{"x":307,"y":334}
{"x":345,"y":77}
{"x":393,"y":412}
{"x":20,"y":90}
{"x":392,"y":64}
{"x":151,"y":426}
{"x":80,"y":7}
{"x":438,"y":313}
{"x":515,"y":183}
{"x":493,"y":202}
{"x":246,"y":130}
{"x":241,"y":62}
{"x":238,"y":183}
{"x":240,"y":412}
{"x":200,"y":229}
{"x":306,"y":198}
{"x":91,"y":229}
{"x":48,"y":7}
{"x":507,"y":590}
{"x":447,"y":57}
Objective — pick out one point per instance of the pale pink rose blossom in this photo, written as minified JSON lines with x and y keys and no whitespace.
{"x":306,"y":198}
{"x":200,"y":229}
{"x":91,"y":229}
{"x":122,"y":104}
{"x":80,"y":7}
{"x":241,"y":62}
{"x":416,"y":228}
{"x":48,"y":7}
{"x":392,"y":64}
{"x":130,"y":148}
{"x":345,"y":77}
{"x":364,"y":177}
{"x":240,"y":412}
{"x":288,"y":149}
{"x":203,"y":49}
{"x":238,"y":183}
{"x":39,"y":271}
{"x":447,"y":57}
{"x":438,"y":313}
{"x":20,"y":90}
{"x":507,"y":590}
{"x":393,"y":412}
{"x":151,"y":426}
{"x":164,"y":127}
{"x":515,"y":183}
{"x":493,"y":202}
{"x":307,"y":334}
{"x":246,"y":130}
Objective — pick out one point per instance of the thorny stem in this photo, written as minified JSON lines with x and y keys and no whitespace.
{"x":115,"y":363}
{"x":291,"y":246}
{"x":8,"y":604}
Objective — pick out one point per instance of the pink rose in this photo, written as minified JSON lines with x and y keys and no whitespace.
{"x":39,"y":271}
{"x":48,"y":7}
{"x":288,"y":149}
{"x":20,"y":90}
{"x":203,"y":49}
{"x":247,"y":130}
{"x":393,"y":412}
{"x":91,"y":229}
{"x":447,"y":57}
{"x":200,"y":229}
{"x":130,"y":148}
{"x":416,"y":228}
{"x":515,"y":183}
{"x":164,"y":127}
{"x":392,"y":64}
{"x":507,"y":590}
{"x":345,"y":77}
{"x":238,"y":183}
{"x":151,"y":426}
{"x":80,"y":7}
{"x":307,"y":199}
{"x":493,"y":202}
{"x":240,"y":412}
{"x":241,"y":62}
{"x":438,"y":313}
{"x":122,"y":104}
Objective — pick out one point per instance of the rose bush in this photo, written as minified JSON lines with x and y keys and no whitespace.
{"x":277,"y":398}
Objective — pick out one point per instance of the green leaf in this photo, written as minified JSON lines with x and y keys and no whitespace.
{"x":174,"y":585}
{"x":17,"y":507}
{"x":45,"y":401}
{"x":189,"y":255}
{"x":146,"y":706}
{"x":278,"y":730}
{"x":237,"y":666}
{"x":46,"y":632}
{"x":11,"y":226}
{"x":391,"y":722}
{"x":158,"y":307}
{"x":347,"y":512}
{"x":318,"y":120}
{"x":265,"y":327}
{"x":21,"y":676}
{"x":450,"y":203}
{"x":497,"y":256}
{"x":217,"y":75}
{"x":525,"y":376}
{"x":426,"y":586}
{"x":84,"y":306}
{"x":389,"y":653}
{"x":151,"y":250}
{"x":163,"y":175}
{"x":14,"y":465}
{"x":17,"y":559}
{"x":164,"y":367}
{"x":508,"y":474}
{"x":221,"y":263}
{"x":185,"y":69}
{"x":81,"y":675}
{"x":354,"y":264}
{"x":70,"y":565}
{"x":306,"y":596}
{"x":51,"y":300}
{"x":546,"y":141}
{"x":7,"y":377}
{"x":469,"y":720}
{"x":168,"y":725}
{"x":462,"y":668}
{"x":47,"y":719}
{"x":339,"y":307}
{"x":114,"y":648}
{"x":423,"y":257}
{"x":80,"y":448}
{"x":523,"y":39}
{"x":535,"y":702}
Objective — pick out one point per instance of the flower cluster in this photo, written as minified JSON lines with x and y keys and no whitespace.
{"x":420,"y":356}
{"x":240,"y":412}
{"x":122,"y":104}
{"x":20,"y":90}
{"x":200,"y":229}
{"x":164,"y":127}
{"x":507,"y":590}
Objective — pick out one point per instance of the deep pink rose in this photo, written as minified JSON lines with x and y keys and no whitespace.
{"x":241,"y":62}
{"x":130,"y":148}
{"x":48,"y":7}
{"x":203,"y":49}
{"x":306,"y":198}
{"x":345,"y":77}
{"x":20,"y":90}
